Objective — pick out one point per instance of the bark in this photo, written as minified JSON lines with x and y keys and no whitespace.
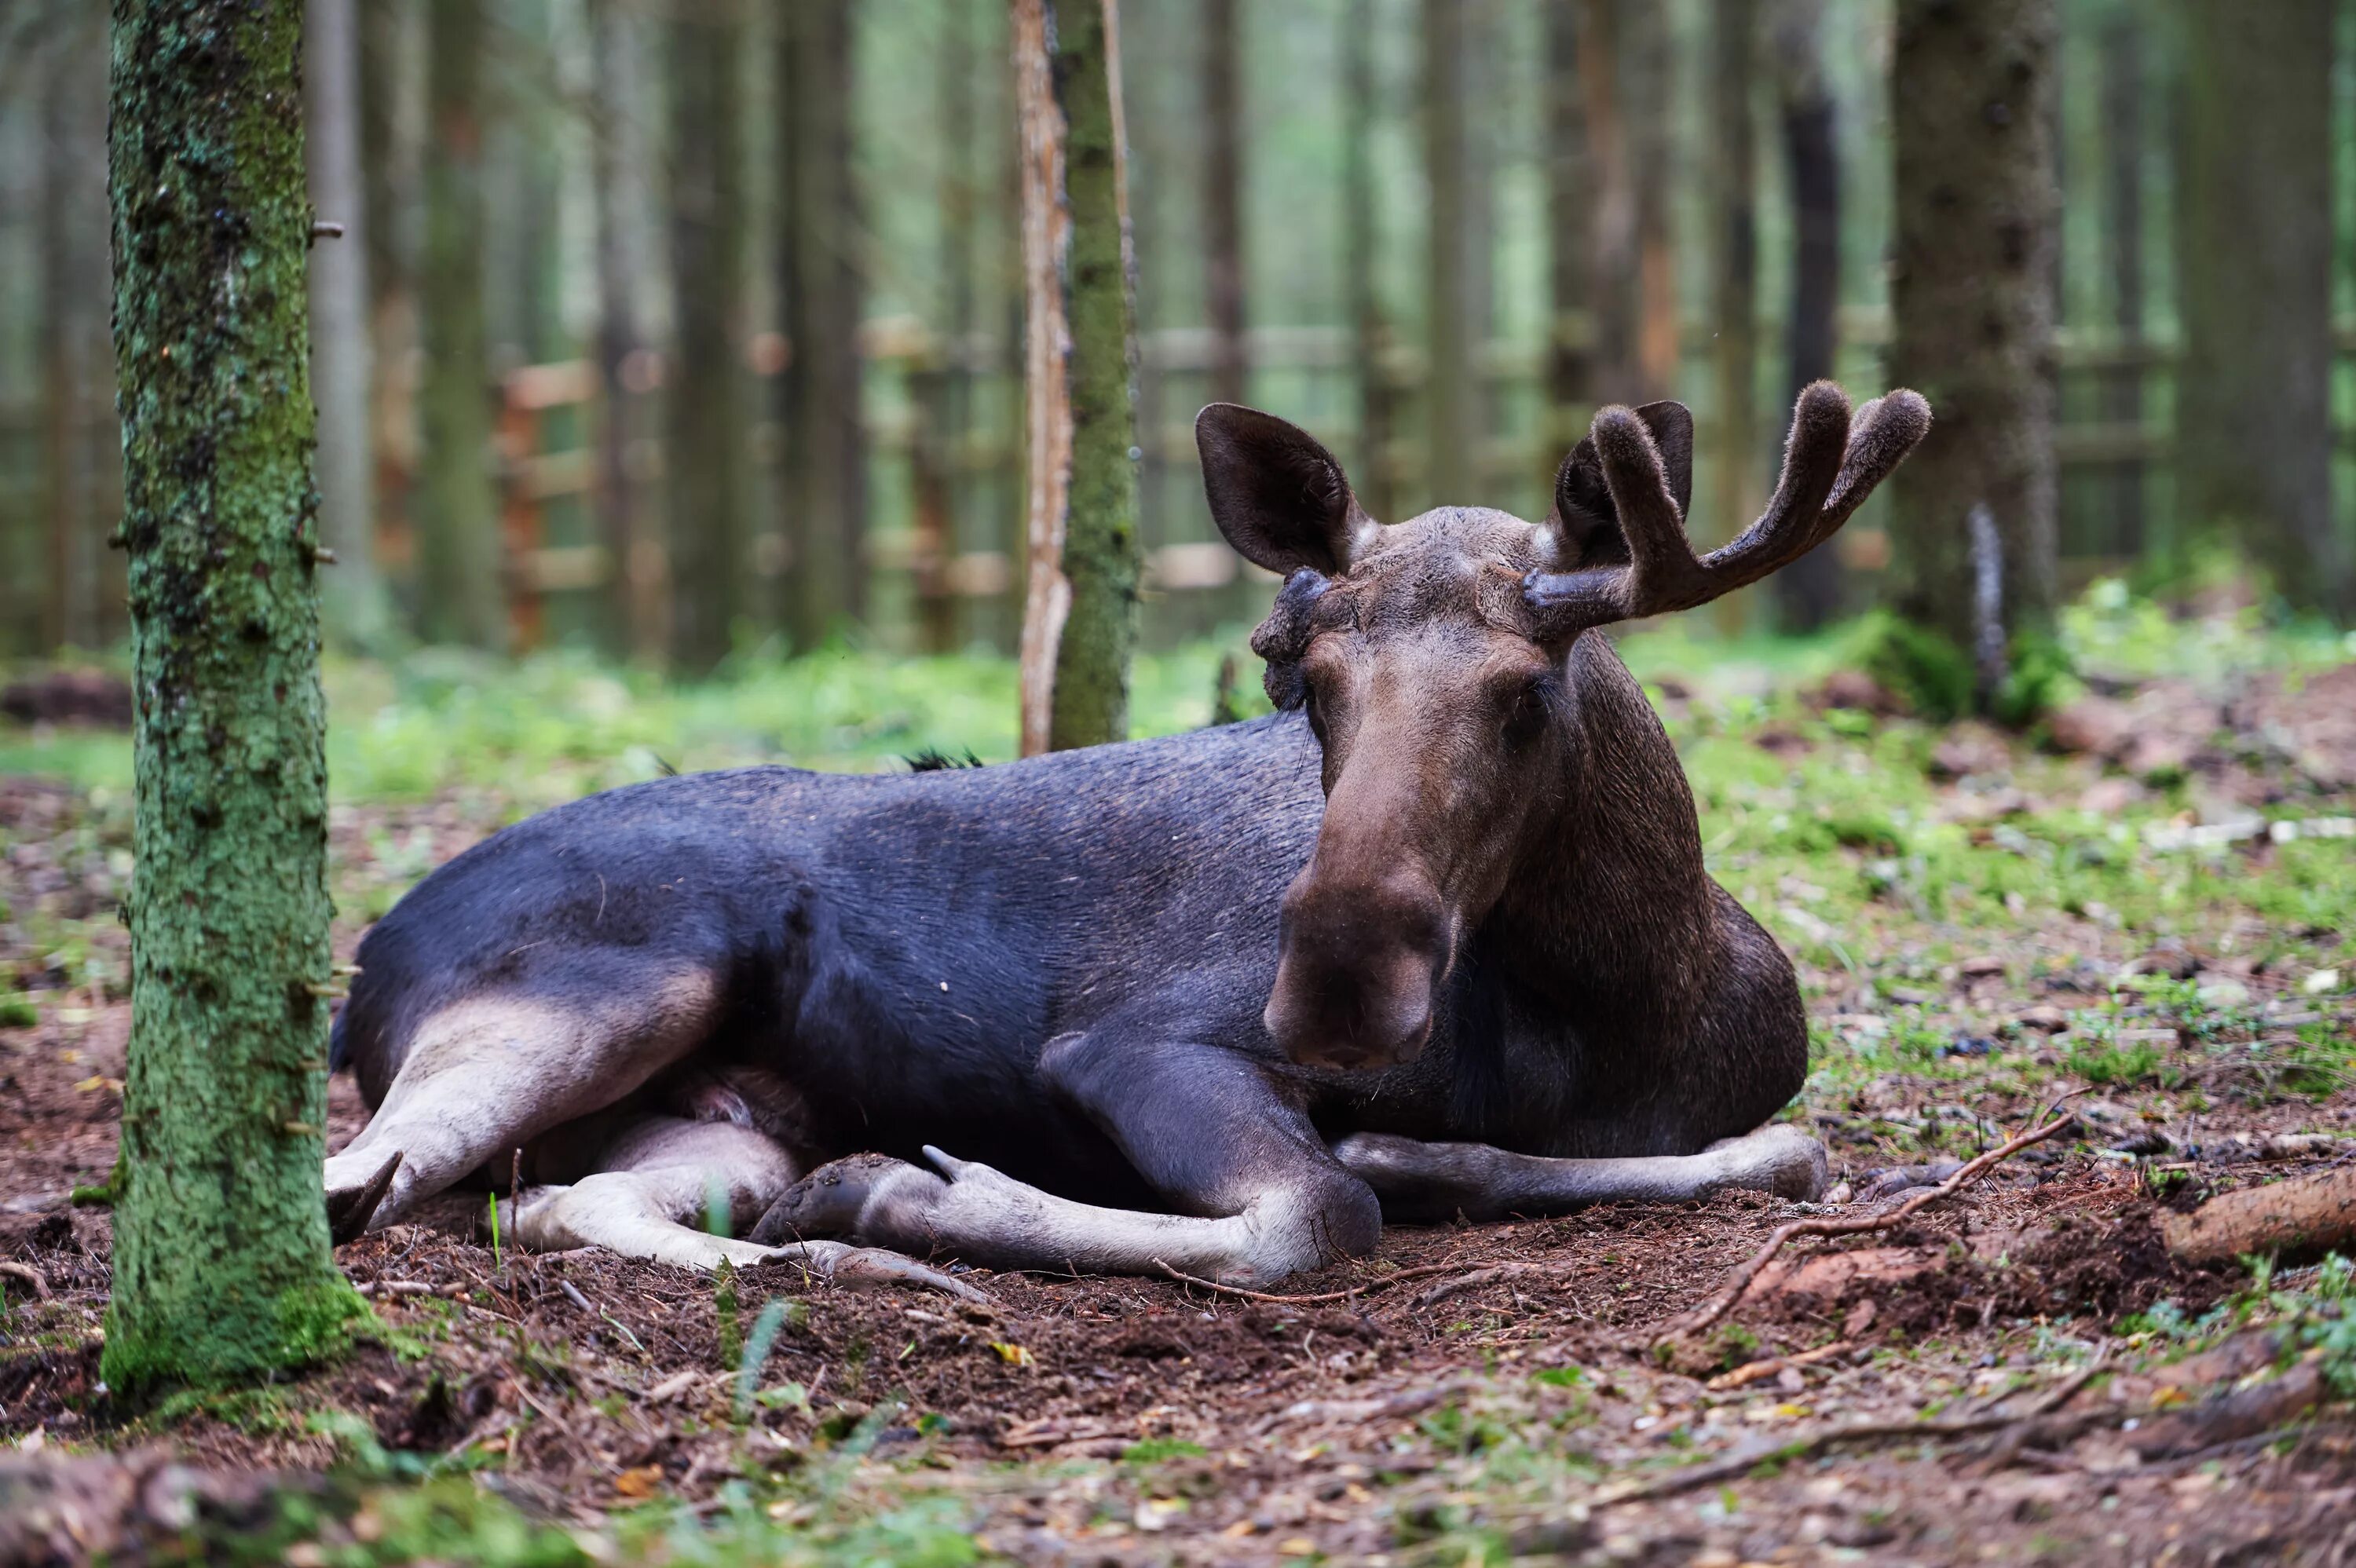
{"x":1808,"y":592}
{"x":1972,"y":298}
{"x":221,"y":1261}
{"x":1080,"y":609}
{"x":711,"y":481}
{"x":458,"y":557}
{"x":1645,"y":65}
{"x":343,"y":361}
{"x":1223,"y":197}
{"x":826,"y":443}
{"x":2123,"y":218}
{"x":1569,"y":187}
{"x":2304,"y":1217}
{"x":1452,"y":415}
{"x":1615,"y":287}
{"x":2253,"y":401}
{"x":1361,"y":244}
{"x":636,"y":582}
{"x":1734,"y":27}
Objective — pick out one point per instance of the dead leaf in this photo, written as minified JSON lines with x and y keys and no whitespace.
{"x":639,"y":1482}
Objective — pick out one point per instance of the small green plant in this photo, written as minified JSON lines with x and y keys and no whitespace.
{"x":723,"y":1314}
{"x":756,"y":1352}
{"x":1155,"y":1450}
{"x":499,"y":1260}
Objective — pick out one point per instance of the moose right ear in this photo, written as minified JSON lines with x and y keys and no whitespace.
{"x":1277,"y":496}
{"x":1585,"y":519}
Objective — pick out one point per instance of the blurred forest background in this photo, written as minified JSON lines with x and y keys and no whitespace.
{"x":678,"y":328}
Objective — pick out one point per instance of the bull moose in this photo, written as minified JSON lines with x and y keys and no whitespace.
{"x":1433,"y":938}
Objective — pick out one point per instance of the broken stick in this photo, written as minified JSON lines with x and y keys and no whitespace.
{"x":1740,"y":1281}
{"x":2305,"y":1215}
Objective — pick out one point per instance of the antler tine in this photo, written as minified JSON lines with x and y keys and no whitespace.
{"x":1880,"y":436}
{"x":1789,"y":527}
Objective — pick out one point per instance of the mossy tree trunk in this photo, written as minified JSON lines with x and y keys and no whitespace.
{"x":2252,"y":401}
{"x":711,"y":479}
{"x":458,"y":589}
{"x":221,"y":1262}
{"x":1080,"y":609}
{"x":1971,"y":295}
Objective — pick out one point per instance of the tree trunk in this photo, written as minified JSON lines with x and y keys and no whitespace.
{"x":343,"y":368}
{"x":825,"y":440}
{"x":2253,"y":404}
{"x":1972,"y":297}
{"x":1362,"y":246}
{"x":1645,"y":65}
{"x":1079,"y":616}
{"x":1734,"y":26}
{"x":707,"y":461}
{"x":221,"y":1261}
{"x":1223,"y":197}
{"x":1615,"y":287}
{"x":637,"y":582}
{"x":1569,"y":189}
{"x":1452,"y":415}
{"x":460,"y":596}
{"x":2122,"y":133}
{"x":1808,"y":592}
{"x":71,"y":618}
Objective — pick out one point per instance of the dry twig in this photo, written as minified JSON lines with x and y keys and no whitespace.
{"x":1425,"y":1272}
{"x":1739,"y":1282}
{"x":30,"y":1276}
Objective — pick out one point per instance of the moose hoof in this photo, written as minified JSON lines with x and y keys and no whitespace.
{"x":870,"y":1199}
{"x":350,"y":1209}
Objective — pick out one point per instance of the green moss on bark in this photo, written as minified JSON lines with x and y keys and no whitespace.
{"x":1101,"y":558}
{"x":223,"y":1267}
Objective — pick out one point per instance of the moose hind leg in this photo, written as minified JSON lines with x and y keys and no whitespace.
{"x":1418,"y":1180}
{"x":485,"y":1076}
{"x":671,"y":1191}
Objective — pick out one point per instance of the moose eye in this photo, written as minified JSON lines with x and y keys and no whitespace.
{"x":1526,"y":710}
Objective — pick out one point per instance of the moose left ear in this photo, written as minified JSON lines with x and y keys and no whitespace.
{"x":1276,"y":494}
{"x":1584,"y":517}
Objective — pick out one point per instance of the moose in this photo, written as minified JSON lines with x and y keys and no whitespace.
{"x":1433,"y":938}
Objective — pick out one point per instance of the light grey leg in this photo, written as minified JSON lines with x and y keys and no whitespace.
{"x":981,"y":1215}
{"x":486,"y":1075}
{"x":1419,"y":1181}
{"x":653,"y":1192}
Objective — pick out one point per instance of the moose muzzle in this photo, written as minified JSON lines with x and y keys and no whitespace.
{"x":1361,"y":961}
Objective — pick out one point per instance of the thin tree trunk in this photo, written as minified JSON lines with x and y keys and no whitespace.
{"x":1808,"y":592}
{"x":1362,"y":246}
{"x":1646,"y":68}
{"x":1615,"y":287}
{"x":221,"y":1262}
{"x":1570,"y":188}
{"x":826,"y":441}
{"x":2122,"y":133}
{"x":1735,"y":297}
{"x":636,"y":581}
{"x":710,"y":477}
{"x":1080,"y":605}
{"x":1451,"y":414}
{"x":394,"y":131}
{"x":1223,"y":197}
{"x":960,"y":186}
{"x":2252,"y":401}
{"x":343,"y":368}
{"x":459,"y":587}
{"x":70,"y":620}
{"x":1971,"y":295}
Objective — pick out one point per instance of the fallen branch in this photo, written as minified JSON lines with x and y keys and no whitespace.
{"x":30,"y":1276}
{"x":1739,"y":1282}
{"x":1473,"y":1281}
{"x":1402,"y":1277}
{"x":1736,"y":1466}
{"x":1755,"y":1371}
{"x":2305,"y":1215}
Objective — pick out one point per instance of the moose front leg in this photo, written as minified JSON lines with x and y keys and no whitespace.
{"x":1258,"y":1195}
{"x":1419,"y":1181}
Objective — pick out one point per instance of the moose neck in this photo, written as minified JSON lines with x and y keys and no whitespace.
{"x":1609,"y":887}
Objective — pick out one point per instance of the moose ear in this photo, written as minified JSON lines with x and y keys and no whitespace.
{"x":1585,"y":519}
{"x":1278,"y":495}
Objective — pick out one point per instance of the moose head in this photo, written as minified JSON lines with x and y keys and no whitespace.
{"x":1433,"y":658}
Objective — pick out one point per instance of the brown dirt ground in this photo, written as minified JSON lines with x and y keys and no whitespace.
{"x":1371,"y":1427}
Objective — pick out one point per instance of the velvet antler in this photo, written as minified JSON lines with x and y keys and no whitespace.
{"x":1831,"y":462}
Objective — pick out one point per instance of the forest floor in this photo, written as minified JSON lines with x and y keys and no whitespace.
{"x":2145,"y":910}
